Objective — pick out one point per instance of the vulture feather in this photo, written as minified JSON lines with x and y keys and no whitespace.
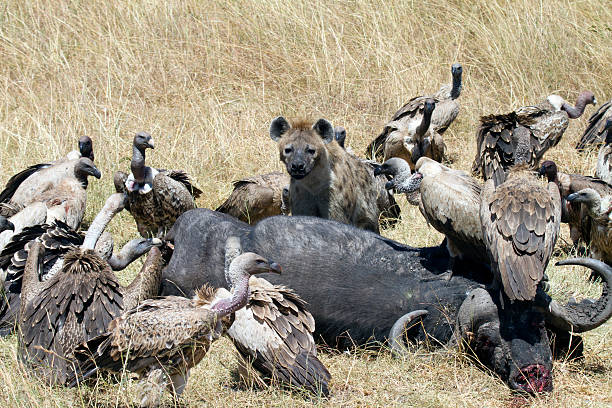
{"x":594,"y":134}
{"x":546,"y":123}
{"x":604,"y":159}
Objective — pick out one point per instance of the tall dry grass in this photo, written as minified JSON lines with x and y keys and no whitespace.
{"x":205,"y":78}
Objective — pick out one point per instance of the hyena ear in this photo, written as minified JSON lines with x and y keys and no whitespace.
{"x":340,"y":135}
{"x":278,"y":128}
{"x":324,"y":129}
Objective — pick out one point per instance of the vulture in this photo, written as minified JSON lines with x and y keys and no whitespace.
{"x":155,"y":197}
{"x":57,"y":239}
{"x":64,"y":192}
{"x":162,"y":339}
{"x":520,"y":224}
{"x":258,"y":197}
{"x":599,"y":210}
{"x":273,"y":333}
{"x":415,"y":138}
{"x":78,"y":302}
{"x":594,"y":135}
{"x":33,"y":214}
{"x":30,"y":181}
{"x":546,"y":123}
{"x":574,"y":214}
{"x":404,"y":135}
{"x":604,"y":159}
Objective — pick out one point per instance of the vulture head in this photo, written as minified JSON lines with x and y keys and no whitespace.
{"x":143,"y":140}
{"x":395,"y":167}
{"x":85,"y":168}
{"x":456,"y":71}
{"x":5,"y":224}
{"x":548,"y":169}
{"x":429,"y":106}
{"x":86,"y":147}
{"x":585,"y":98}
{"x":587,"y":196}
{"x":340,"y":135}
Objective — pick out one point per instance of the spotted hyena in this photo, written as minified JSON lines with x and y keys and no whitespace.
{"x":326,"y":181}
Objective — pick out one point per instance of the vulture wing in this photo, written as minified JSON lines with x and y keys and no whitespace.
{"x":172,"y":198}
{"x":520,"y":223}
{"x":274,"y":331}
{"x":450,"y":202}
{"x":168,"y":331}
{"x":183,"y":178}
{"x":591,"y":135}
{"x":72,"y":308}
{"x":16,"y":180}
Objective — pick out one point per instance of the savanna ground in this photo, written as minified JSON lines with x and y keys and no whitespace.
{"x":206,"y":77}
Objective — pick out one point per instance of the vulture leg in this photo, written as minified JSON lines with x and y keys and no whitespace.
{"x":152,"y":388}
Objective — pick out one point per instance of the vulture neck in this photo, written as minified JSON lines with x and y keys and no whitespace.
{"x":424,"y":125}
{"x":575,"y":111}
{"x":138,"y":164}
{"x":81,"y":177}
{"x":114,"y":204}
{"x":240,"y":296}
{"x":456,"y":89}
{"x":130,"y":252}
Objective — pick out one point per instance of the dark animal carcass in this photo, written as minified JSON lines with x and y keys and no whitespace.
{"x":358,"y":284}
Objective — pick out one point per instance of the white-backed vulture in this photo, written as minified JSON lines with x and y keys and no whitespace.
{"x":604,"y":158}
{"x":405,"y":121}
{"x":599,"y":210}
{"x":546,"y":123}
{"x":574,"y":214}
{"x":33,"y":214}
{"x":155,"y":197}
{"x":78,"y":302}
{"x":162,"y":339}
{"x":64,"y":192}
{"x":594,"y":133}
{"x":449,"y":201}
{"x":520,"y":224}
{"x":273,"y":332}
{"x":258,"y":197}
{"x":21,"y":186}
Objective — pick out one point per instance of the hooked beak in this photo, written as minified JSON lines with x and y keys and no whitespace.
{"x":155,"y":241}
{"x":378,"y":170}
{"x":96,"y":173}
{"x":151,"y":144}
{"x":572,"y":197}
{"x":275,"y":268}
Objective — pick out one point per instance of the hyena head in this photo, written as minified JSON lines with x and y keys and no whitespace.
{"x":302,"y":146}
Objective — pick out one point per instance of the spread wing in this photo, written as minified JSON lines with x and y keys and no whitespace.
{"x":520,"y":223}
{"x":16,"y":180}
{"x":72,"y":308}
{"x":274,"y":331}
{"x":591,"y":135}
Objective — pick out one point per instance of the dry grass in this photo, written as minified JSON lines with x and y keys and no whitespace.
{"x":205,"y":78}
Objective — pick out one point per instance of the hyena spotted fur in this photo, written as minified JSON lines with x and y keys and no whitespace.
{"x":326,"y":181}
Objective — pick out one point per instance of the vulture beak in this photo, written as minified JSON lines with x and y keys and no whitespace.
{"x":572,"y":197}
{"x":96,"y":173}
{"x":151,"y":144}
{"x":378,"y":170}
{"x":389,"y":185}
{"x":155,"y":241}
{"x":275,"y":268}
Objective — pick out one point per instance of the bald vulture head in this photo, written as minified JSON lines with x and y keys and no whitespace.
{"x":587,"y":196}
{"x":247,"y":264}
{"x":85,"y":168}
{"x":456,"y":71}
{"x":549,"y":169}
{"x":86,"y":147}
{"x":5,"y":224}
{"x":143,"y":140}
{"x":398,"y":168}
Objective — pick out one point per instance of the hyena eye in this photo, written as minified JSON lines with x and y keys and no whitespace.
{"x":288,"y":150}
{"x":310,"y":151}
